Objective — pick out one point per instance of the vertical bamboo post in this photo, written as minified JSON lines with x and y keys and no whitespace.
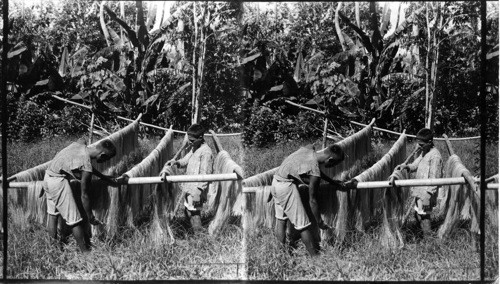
{"x":325,"y":128}
{"x":448,"y":145}
{"x":91,"y":128}
{"x":218,"y":145}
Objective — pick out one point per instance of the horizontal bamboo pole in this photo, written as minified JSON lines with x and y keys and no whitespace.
{"x":19,"y":184}
{"x":158,"y":179}
{"x":234,"y":176}
{"x":184,"y":178}
{"x":402,"y":182}
{"x":411,"y":182}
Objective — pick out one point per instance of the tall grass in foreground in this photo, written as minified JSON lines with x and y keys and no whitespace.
{"x":456,"y":258}
{"x":365,"y":259}
{"x":132,"y":256}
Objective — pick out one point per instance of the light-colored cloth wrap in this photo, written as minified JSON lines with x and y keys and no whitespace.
{"x":198,"y":162}
{"x":60,"y":199}
{"x":288,"y":204}
{"x":428,"y":166}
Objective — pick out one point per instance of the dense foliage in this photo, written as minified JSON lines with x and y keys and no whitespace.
{"x":235,"y":64}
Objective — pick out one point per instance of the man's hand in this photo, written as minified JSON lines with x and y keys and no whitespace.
{"x":109,"y":180}
{"x":123,"y":179}
{"x":323,"y":226}
{"x":94,"y":221}
{"x":163,"y":176}
{"x":402,"y":167}
{"x":352,"y":184}
{"x":172,"y":163}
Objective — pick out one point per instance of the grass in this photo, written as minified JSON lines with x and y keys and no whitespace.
{"x":456,"y":258}
{"x":134,"y":256}
{"x":365,"y":260}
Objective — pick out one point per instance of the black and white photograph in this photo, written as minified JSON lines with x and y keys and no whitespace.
{"x":248,"y":141}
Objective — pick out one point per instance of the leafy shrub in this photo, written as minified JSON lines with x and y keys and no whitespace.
{"x":34,"y":119}
{"x":268,"y":125}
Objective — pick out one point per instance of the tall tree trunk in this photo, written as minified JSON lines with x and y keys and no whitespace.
{"x":427,"y":67}
{"x":159,"y":16}
{"x":434,"y":66}
{"x":103,"y":24}
{"x":194,"y":100}
{"x":122,"y":15}
{"x":201,"y":59}
{"x":337,"y":27}
{"x":356,"y":11}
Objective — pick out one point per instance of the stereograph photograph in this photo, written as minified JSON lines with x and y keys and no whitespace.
{"x":248,"y":141}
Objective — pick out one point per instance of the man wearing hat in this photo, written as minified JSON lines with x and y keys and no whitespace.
{"x":427,"y":165}
{"x":198,"y":161}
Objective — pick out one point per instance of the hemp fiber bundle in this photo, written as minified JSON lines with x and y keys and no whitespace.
{"x":367,"y":203}
{"x":227,"y":192}
{"x":395,"y":202}
{"x":20,"y":196}
{"x":28,"y":200}
{"x":127,"y":204}
{"x":259,"y":207}
{"x":461,"y":200}
{"x":492,"y":204}
{"x":355,"y":147}
{"x":36,"y":206}
{"x":125,"y":140}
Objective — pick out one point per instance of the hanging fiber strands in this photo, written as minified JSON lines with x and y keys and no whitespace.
{"x":461,"y":200}
{"x":127,"y":204}
{"x":259,"y":207}
{"x":492,"y":203}
{"x":32,"y":174}
{"x":125,"y":141}
{"x":366,"y":203}
{"x":262,"y":179}
{"x":226,"y":191}
{"x":394,"y":199}
{"x":19,"y":196}
{"x":355,"y":148}
{"x":36,"y":206}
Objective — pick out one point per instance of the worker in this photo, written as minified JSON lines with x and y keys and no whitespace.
{"x":427,"y":165}
{"x":198,"y":161}
{"x":297,"y":170}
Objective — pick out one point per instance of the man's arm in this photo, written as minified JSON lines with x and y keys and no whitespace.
{"x":329,"y":180}
{"x":102,"y":176}
{"x":414,"y":166}
{"x":85,"y":184}
{"x":342,"y":186}
{"x":313,"y":202}
{"x":182,"y":163}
